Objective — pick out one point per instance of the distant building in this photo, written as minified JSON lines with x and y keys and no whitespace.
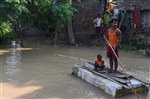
{"x":87,"y":10}
{"x":83,"y":19}
{"x":144,"y":6}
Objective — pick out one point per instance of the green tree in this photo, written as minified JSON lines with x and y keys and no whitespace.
{"x":11,"y":11}
{"x":42,"y":14}
{"x":6,"y":32}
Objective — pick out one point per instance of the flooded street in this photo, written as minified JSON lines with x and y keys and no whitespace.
{"x":44,"y":71}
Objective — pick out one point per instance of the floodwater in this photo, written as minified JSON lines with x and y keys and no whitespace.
{"x":42,"y":71}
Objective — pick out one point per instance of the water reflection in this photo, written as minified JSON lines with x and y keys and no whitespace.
{"x":13,"y":92}
{"x":2,"y":52}
{"x":13,"y":61}
{"x":49,"y":73}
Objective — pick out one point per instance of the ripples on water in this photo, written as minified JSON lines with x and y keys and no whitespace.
{"x":12,"y":63}
{"x":140,"y":72}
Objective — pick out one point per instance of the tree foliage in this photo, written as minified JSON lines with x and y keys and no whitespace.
{"x":42,"y":14}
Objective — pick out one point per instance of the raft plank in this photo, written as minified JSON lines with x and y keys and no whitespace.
{"x":102,"y":75}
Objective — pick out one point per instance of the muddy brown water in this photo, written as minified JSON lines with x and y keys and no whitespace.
{"x":42,"y":71}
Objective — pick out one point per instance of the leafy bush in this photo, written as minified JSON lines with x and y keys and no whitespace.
{"x":6,"y":33}
{"x":127,"y":47}
{"x":140,"y":41}
{"x":10,"y":36}
{"x":42,"y":14}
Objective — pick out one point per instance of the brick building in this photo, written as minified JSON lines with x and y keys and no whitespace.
{"x":87,"y":10}
{"x":144,"y":6}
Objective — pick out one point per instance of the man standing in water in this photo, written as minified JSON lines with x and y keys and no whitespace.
{"x":113,"y":36}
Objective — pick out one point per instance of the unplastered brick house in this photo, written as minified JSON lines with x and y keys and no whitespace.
{"x":87,"y":10}
{"x":144,"y":6}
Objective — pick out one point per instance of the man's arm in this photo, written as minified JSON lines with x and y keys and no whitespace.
{"x":102,"y":22}
{"x":119,"y":35}
{"x":106,"y":34}
{"x":94,"y":21}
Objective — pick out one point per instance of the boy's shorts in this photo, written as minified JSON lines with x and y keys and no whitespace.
{"x":110,"y":53}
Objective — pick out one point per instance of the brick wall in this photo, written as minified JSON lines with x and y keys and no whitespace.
{"x":83,"y":19}
{"x":144,"y":7}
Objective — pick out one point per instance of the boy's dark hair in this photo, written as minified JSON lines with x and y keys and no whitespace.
{"x":99,"y":56}
{"x":98,"y":15}
{"x":113,"y":19}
